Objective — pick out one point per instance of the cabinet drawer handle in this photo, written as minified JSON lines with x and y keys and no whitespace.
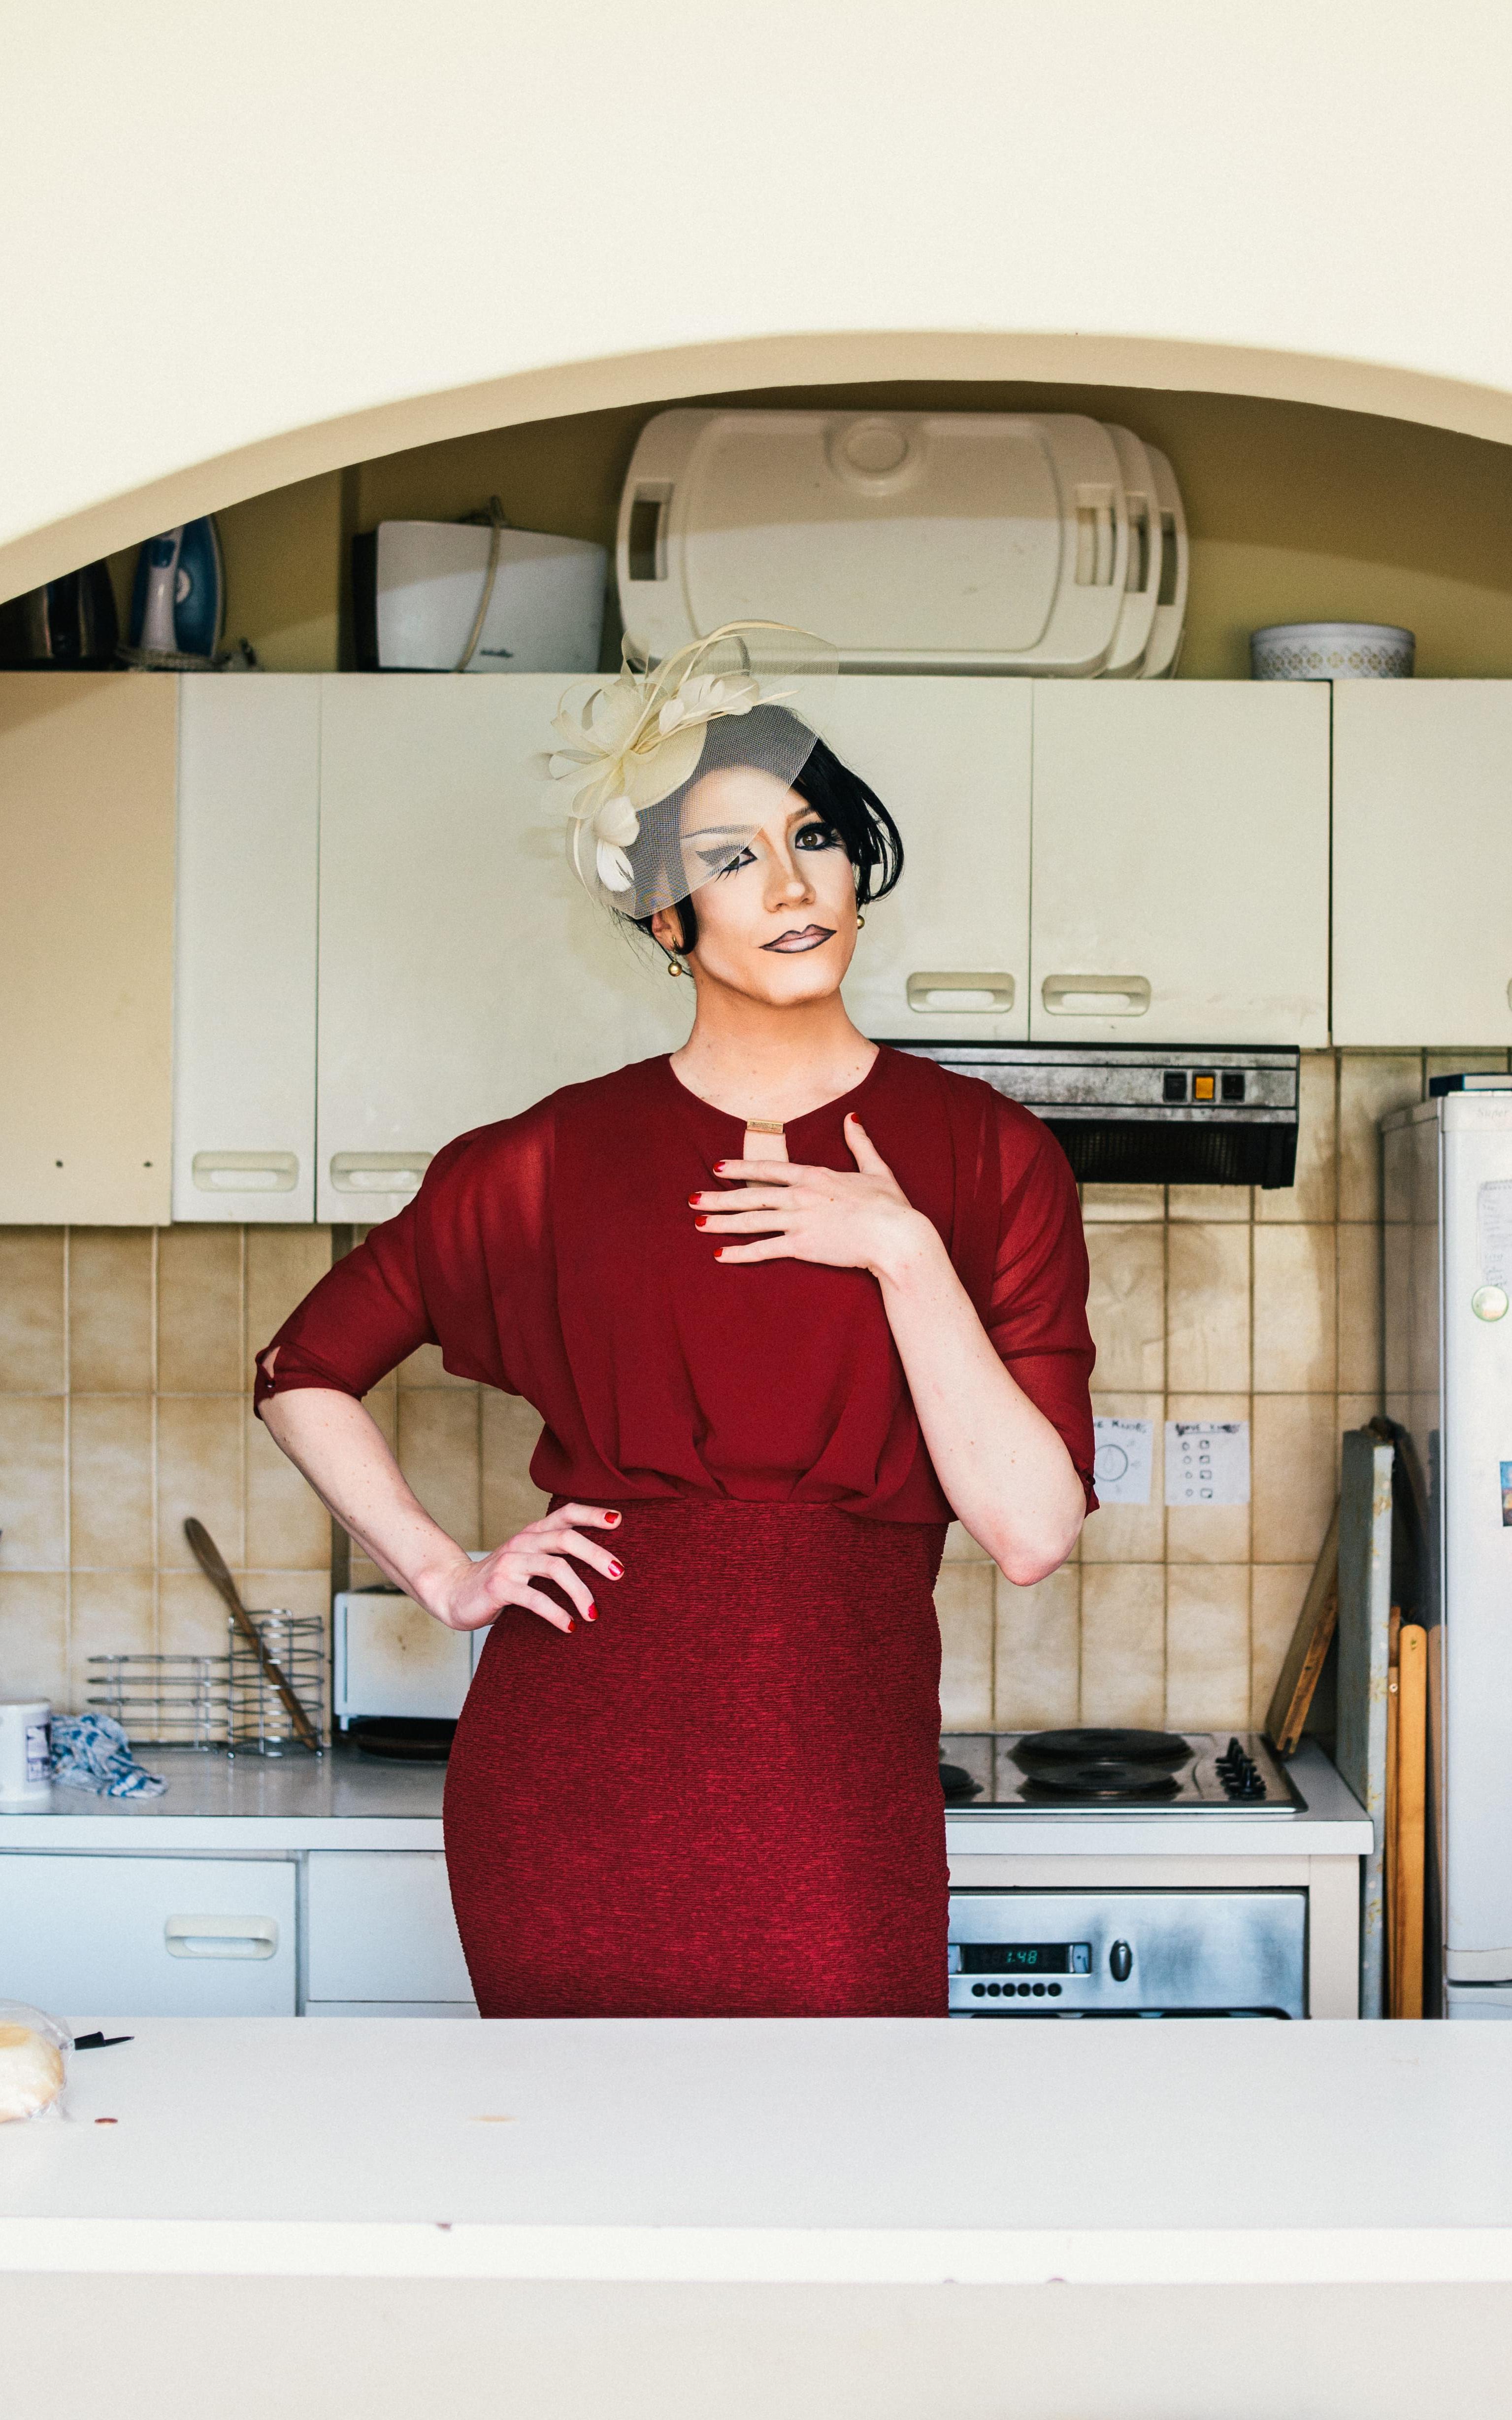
{"x":1095,"y":995}
{"x":971,"y":995}
{"x":378,"y":1172}
{"x":245,"y":1171}
{"x":221,"y":1936}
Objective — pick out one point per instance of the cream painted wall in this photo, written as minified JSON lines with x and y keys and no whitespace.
{"x":249,"y":248}
{"x":1296,"y":512}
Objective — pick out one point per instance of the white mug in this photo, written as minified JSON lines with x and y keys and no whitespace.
{"x":26,"y":1748}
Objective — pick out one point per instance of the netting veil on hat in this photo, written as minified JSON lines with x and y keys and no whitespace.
{"x":628,"y":758}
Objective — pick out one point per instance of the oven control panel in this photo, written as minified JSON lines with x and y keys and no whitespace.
{"x":1135,"y":1953}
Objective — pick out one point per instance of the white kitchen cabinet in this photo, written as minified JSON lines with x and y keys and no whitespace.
{"x":1180,"y":862}
{"x":87,"y":878}
{"x":1423,"y":863}
{"x":148,"y":1937}
{"x":463,"y":971}
{"x":382,"y":1936}
{"x":947,"y":955}
{"x":245,"y":976}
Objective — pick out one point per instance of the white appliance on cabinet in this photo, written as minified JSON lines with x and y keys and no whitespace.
{"x":421,"y":586}
{"x":1448,"y":1298}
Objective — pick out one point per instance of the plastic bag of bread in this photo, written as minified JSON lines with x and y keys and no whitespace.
{"x":34,"y":2061}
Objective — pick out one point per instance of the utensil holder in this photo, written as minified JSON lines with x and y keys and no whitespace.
{"x":164,"y":1701}
{"x":261,"y":1722}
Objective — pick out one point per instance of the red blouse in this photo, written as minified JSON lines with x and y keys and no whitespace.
{"x":553,"y":1255}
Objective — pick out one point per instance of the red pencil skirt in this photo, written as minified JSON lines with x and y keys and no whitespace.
{"x":721,"y":1798}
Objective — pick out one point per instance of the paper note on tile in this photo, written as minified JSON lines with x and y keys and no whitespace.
{"x":1207,"y":1462}
{"x":1125,"y":1452}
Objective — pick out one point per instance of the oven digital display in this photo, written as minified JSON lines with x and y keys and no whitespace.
{"x":1025,"y":1958}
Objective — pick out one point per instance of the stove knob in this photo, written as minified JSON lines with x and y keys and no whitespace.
{"x":1120,"y":1961}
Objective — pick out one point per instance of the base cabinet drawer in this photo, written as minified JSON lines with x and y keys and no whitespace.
{"x":382,"y":1932}
{"x":148,"y":1937}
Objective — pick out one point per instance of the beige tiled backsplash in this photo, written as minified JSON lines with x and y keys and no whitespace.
{"x":124,"y":1404}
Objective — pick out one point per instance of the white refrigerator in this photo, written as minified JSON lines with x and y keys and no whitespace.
{"x":1448,"y":1330}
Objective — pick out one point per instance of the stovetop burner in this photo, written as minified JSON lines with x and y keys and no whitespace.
{"x":1145,"y":1772}
{"x":1102,"y":1764}
{"x":1101,"y":1782}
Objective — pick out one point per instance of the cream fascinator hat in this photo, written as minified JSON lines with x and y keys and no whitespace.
{"x":627,"y":753}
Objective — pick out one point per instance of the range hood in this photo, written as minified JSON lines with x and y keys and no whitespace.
{"x":1128,"y":1115}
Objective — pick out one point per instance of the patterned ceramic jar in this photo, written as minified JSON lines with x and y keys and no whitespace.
{"x":1331,"y":651}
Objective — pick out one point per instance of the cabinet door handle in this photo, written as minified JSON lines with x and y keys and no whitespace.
{"x":221,"y":1936}
{"x":1095,"y":995}
{"x":244,"y":1172}
{"x":377,"y":1172}
{"x":970,"y":995}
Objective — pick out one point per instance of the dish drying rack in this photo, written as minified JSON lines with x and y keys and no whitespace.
{"x":219,"y":1704}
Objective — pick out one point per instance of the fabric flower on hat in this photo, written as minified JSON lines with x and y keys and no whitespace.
{"x":619,"y":760}
{"x":636,"y":741}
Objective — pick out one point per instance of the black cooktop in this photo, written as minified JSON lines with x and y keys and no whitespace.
{"x":1135,"y":1772}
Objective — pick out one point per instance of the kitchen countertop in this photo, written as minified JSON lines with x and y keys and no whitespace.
{"x":344,"y":1800}
{"x":638,"y":2218}
{"x":245,"y":1802}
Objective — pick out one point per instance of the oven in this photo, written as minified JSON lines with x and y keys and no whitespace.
{"x":1128,"y":1953}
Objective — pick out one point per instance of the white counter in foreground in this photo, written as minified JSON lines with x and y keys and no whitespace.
{"x":1094,"y":2222}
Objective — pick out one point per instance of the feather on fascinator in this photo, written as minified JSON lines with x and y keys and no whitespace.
{"x":627,"y":752}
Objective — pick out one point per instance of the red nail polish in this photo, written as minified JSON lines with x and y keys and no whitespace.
{"x":613,"y":1519}
{"x":571,"y":1624}
{"x":701,"y":1222}
{"x":591,"y":1614}
{"x":719,"y":1252}
{"x":692,"y":1201}
{"x":616,"y":1571}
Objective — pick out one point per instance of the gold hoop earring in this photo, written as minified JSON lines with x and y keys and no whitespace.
{"x":860,"y":920}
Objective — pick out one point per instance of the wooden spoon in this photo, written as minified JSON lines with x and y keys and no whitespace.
{"x":212,"y":1563}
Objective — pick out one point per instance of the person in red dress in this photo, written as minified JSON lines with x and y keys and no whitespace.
{"x":785,"y":1301}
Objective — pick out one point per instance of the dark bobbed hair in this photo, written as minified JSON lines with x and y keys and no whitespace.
{"x":850,"y":806}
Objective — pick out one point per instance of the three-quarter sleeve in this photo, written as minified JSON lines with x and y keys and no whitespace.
{"x":362,"y":1319}
{"x":1037,"y":1317}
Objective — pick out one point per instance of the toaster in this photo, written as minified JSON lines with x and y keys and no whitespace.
{"x":393,"y":1658}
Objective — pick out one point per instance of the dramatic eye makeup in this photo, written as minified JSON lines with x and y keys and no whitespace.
{"x":809,"y":837}
{"x":718,"y":839}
